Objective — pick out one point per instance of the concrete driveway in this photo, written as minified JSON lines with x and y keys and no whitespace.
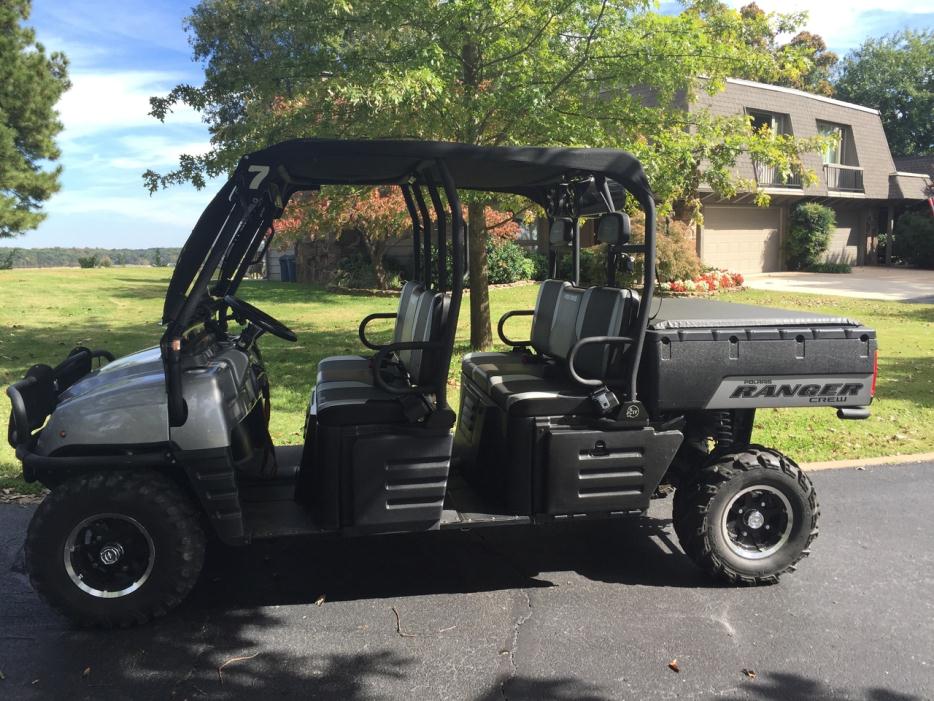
{"x":583,"y":611}
{"x":891,"y":284}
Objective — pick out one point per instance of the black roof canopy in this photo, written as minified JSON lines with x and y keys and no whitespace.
{"x":528,"y":171}
{"x":240,"y":214}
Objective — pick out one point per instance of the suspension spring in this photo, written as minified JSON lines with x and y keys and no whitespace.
{"x":723,"y":428}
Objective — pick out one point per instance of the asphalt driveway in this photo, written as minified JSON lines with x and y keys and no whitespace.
{"x":578,"y":612}
{"x":869,"y":282}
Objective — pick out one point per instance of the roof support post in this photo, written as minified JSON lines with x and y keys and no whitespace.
{"x":457,"y":282}
{"x":416,"y":231}
{"x":648,"y":288}
{"x":426,"y":231}
{"x":441,"y":221}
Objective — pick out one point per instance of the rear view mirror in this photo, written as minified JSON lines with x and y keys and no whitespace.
{"x":613,"y":228}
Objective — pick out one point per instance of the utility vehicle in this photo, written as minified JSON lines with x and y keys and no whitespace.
{"x":612,"y":398}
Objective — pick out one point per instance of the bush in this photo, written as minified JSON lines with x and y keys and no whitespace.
{"x":809,"y":234}
{"x":356,"y":272}
{"x":829,"y":268}
{"x":87,"y":261}
{"x":914,"y":239}
{"x":675,"y":257}
{"x":6,"y":260}
{"x":507,"y":262}
{"x":105,"y":262}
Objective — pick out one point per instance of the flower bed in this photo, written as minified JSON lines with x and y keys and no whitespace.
{"x":709,"y":282}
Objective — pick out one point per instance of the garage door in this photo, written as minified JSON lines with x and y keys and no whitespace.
{"x":844,"y":242}
{"x":742,"y":239}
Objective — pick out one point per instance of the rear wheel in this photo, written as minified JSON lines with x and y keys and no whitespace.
{"x":115,"y":549}
{"x":748,"y":517}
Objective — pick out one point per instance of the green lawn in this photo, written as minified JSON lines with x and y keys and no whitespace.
{"x":45,"y":313}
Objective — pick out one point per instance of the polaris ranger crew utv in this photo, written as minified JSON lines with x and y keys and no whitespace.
{"x":610,"y":400}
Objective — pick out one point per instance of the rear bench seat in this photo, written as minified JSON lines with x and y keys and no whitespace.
{"x":345,"y":398}
{"x":538,"y":385}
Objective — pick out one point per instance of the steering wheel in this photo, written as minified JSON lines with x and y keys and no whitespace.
{"x":260,"y":318}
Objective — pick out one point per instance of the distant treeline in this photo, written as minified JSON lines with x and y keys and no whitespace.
{"x":68,"y":257}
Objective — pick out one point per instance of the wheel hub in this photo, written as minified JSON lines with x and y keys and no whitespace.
{"x":109,"y":555}
{"x":755,"y":519}
{"x":757,"y":522}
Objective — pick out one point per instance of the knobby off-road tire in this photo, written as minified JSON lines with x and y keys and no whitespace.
{"x":724,"y":530}
{"x":115,"y":549}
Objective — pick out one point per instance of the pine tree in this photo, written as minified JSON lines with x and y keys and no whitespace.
{"x":31,"y":83}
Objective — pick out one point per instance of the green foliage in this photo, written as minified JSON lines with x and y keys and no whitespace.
{"x":68,"y":257}
{"x":803,"y":62}
{"x":87,"y":262}
{"x":32,"y":83}
{"x":105,"y":262}
{"x":895,"y":75}
{"x":6,"y":259}
{"x":676,"y":256}
{"x":356,"y":271}
{"x":914,"y":239}
{"x":487,"y":72}
{"x":829,"y":268}
{"x":501,"y":72}
{"x":808,"y":235}
{"x":508,"y":262}
{"x":157,"y":261}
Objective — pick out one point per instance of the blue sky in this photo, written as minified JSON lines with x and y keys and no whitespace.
{"x":122,"y":53}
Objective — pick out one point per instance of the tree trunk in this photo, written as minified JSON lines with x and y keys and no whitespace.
{"x":481,"y":334}
{"x":377,"y":251}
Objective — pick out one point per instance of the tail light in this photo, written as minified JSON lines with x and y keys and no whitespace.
{"x":875,"y":373}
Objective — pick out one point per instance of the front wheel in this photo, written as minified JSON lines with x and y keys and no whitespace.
{"x":115,"y":549}
{"x":748,"y":517}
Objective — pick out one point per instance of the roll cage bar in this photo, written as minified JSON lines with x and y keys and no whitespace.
{"x":237,"y":226}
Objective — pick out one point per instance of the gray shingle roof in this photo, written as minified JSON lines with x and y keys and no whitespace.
{"x":804,"y":110}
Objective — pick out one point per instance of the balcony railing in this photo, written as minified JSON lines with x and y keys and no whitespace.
{"x":843,"y":178}
{"x":770,"y":176}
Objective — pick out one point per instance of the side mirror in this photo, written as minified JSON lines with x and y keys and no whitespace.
{"x":613,"y":228}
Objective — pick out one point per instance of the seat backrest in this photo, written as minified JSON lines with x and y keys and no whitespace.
{"x":604,"y":311}
{"x":432,"y":310}
{"x":563,"y":333}
{"x":408,"y":307}
{"x":543,"y":319}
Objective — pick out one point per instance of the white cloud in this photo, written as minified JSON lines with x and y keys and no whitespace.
{"x":141,"y":152}
{"x":108,"y":101}
{"x":841,"y":24}
{"x":178,"y":209}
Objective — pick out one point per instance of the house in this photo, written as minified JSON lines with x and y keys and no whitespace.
{"x":858,"y":179}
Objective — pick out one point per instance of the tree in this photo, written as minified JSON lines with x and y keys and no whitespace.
{"x":490,"y":72}
{"x":378,"y":214}
{"x":895,"y":74}
{"x":803,"y":62}
{"x":31,"y":84}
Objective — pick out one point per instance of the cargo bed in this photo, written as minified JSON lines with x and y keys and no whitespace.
{"x":702,"y":354}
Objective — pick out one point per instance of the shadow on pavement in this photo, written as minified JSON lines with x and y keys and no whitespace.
{"x":298,"y":570}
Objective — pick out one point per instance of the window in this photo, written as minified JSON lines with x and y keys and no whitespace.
{"x":774,"y":122}
{"x":834,"y":152}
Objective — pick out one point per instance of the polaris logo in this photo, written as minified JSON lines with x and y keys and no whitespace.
{"x":829,"y":393}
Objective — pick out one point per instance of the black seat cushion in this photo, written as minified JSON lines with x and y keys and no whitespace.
{"x":482,"y":367}
{"x":528,"y":395}
{"x":355,"y":403}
